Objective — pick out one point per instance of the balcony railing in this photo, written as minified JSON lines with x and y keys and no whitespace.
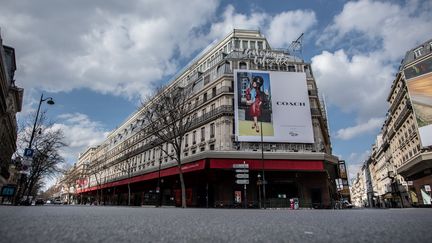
{"x":402,"y":116}
{"x":225,"y":110}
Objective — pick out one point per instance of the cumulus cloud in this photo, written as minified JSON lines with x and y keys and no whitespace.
{"x":355,"y":162}
{"x":106,"y":46}
{"x":287,"y":26}
{"x":80,"y":133}
{"x":366,"y":127}
{"x":280,"y":29}
{"x":372,"y":37}
{"x":354,"y":84}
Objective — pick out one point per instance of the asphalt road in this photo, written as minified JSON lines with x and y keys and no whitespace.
{"x":132,"y":224}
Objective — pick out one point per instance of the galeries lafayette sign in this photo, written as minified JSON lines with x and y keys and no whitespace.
{"x":268,"y":57}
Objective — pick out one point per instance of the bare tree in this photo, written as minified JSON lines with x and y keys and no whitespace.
{"x":47,"y":143}
{"x":127,"y":168}
{"x":167,"y":117}
{"x":97,"y":169}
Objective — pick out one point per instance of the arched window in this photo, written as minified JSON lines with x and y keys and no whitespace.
{"x":242,"y":65}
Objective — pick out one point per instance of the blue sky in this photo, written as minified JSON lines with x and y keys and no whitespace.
{"x":96,"y":59}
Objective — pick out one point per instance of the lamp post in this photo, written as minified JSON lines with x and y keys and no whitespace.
{"x":262,"y":164}
{"x":259,"y":182}
{"x":158,"y":192}
{"x":49,"y":101}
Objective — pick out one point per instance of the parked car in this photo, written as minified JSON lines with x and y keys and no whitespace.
{"x":57,"y":201}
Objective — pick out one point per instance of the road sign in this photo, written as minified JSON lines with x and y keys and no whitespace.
{"x":240,"y":166}
{"x":242,"y":182}
{"x":27,"y":161}
{"x":244,"y":176}
{"x":28,"y":152}
{"x":242,"y":170}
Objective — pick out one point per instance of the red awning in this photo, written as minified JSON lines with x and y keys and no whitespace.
{"x":189,"y":167}
{"x":269,"y":164}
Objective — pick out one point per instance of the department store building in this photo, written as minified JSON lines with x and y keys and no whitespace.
{"x":295,"y":157}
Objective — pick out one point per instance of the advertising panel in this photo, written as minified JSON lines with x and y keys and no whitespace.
{"x":278,"y":100}
{"x":419,"y":82}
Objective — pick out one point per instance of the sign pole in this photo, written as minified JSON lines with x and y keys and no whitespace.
{"x":262,"y":162}
{"x":245,"y":193}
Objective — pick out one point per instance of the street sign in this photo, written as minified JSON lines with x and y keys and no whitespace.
{"x":242,"y":170}
{"x":240,"y":166}
{"x":28,"y":152}
{"x":242,"y":182}
{"x":244,"y":176}
{"x":27,"y":161}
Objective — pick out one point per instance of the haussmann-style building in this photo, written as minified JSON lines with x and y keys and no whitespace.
{"x":230,"y":77}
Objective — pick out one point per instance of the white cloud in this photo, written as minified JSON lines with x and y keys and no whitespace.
{"x":357,"y":84}
{"x":372,"y":37}
{"x":80,"y":133}
{"x":287,"y":26}
{"x":397,"y":28}
{"x":355,"y":162}
{"x":116,"y":48}
{"x":280,"y":29}
{"x":233,"y":20}
{"x":360,"y":129}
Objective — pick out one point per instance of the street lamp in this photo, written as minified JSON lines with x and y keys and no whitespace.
{"x":259,"y":182}
{"x":49,"y":101}
{"x":262,"y":164}
{"x":158,"y":192}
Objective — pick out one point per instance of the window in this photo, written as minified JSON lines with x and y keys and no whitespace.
{"x":244,"y":44}
{"x":203,"y":111}
{"x":206,"y":79}
{"x":252,"y":44}
{"x":212,"y":147}
{"x":237,"y":44}
{"x":186,"y":140}
{"x":194,"y":137}
{"x":212,"y":107}
{"x":418,"y":52}
{"x":205,"y":97}
{"x":291,"y":68}
{"x":213,"y":91}
{"x":202,"y":134}
{"x":260,"y":45}
{"x":242,"y":65}
{"x":212,"y":130}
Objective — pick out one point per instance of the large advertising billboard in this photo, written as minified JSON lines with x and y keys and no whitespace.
{"x":419,"y":82}
{"x":278,"y":100}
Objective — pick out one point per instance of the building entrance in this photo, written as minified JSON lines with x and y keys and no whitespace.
{"x":280,"y":192}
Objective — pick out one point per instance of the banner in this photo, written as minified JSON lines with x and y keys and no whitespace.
{"x":419,"y":82}
{"x":276,"y":103}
